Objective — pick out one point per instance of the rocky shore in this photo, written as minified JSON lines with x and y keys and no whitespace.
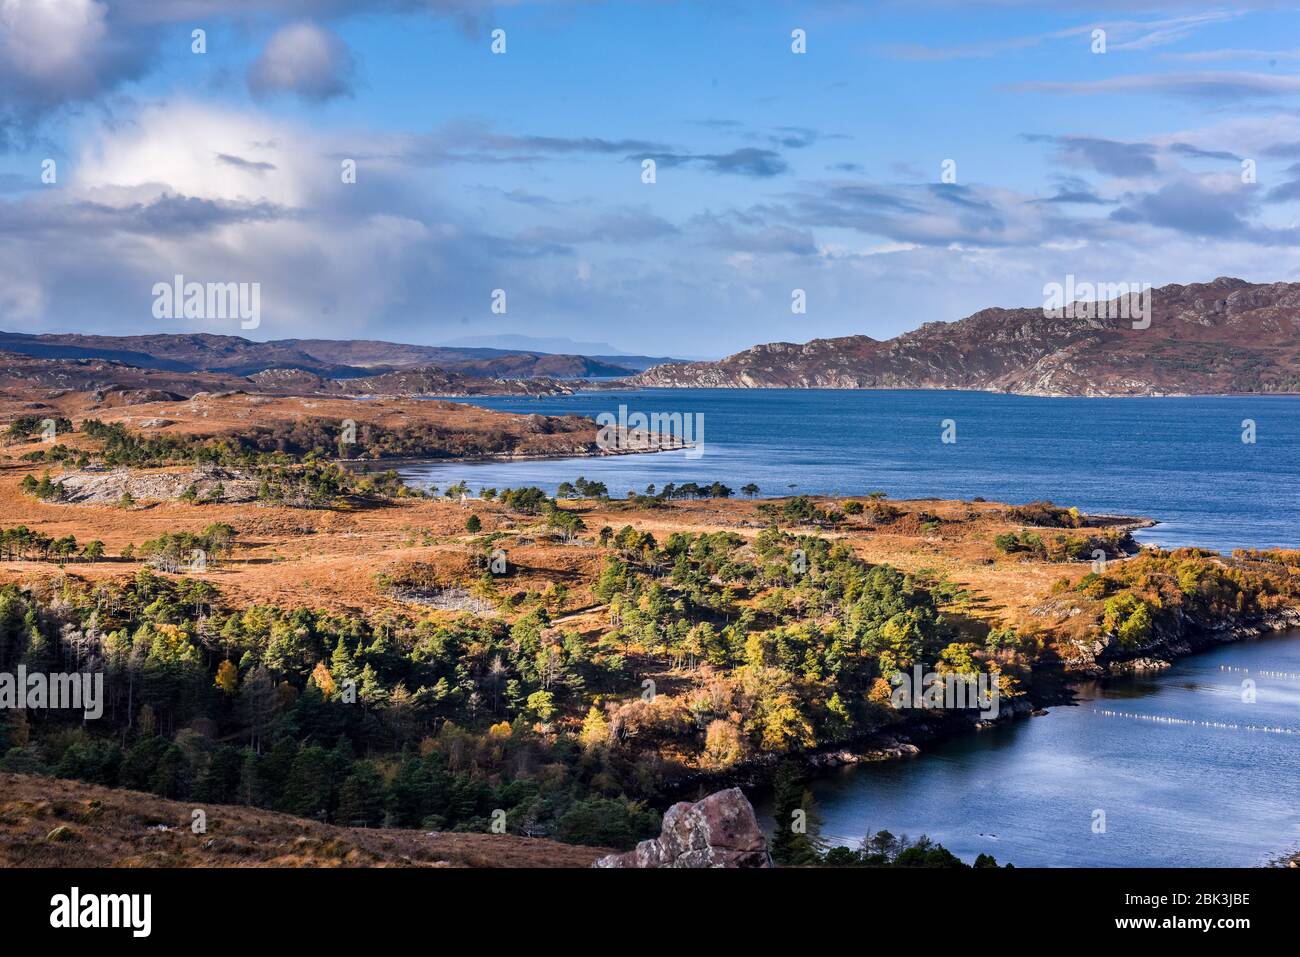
{"x":1100,"y":659}
{"x":1105,"y":656}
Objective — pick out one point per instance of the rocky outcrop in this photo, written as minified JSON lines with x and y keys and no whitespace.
{"x":719,"y":831}
{"x":1176,"y":636}
{"x":105,"y":487}
{"x":839,"y":757}
{"x":1226,"y":336}
{"x":1136,"y":666}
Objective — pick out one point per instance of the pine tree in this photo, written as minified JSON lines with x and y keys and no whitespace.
{"x":342,"y":666}
{"x":250,"y":779}
{"x":307,"y":790}
{"x":361,"y":797}
{"x":796,"y":840}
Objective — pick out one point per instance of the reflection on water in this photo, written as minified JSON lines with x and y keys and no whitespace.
{"x":1180,"y":793}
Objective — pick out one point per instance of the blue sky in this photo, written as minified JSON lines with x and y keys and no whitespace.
{"x":521,"y":171}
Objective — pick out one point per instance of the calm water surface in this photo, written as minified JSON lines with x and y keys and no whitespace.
{"x":1174,"y":795}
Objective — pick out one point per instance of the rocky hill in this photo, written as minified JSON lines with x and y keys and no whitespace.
{"x":406,"y":382}
{"x":1226,"y":336}
{"x":25,"y":372}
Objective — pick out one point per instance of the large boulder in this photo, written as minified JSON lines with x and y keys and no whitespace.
{"x":719,"y":831}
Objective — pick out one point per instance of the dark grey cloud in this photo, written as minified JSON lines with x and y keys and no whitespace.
{"x":799,"y":137}
{"x":840,"y":200}
{"x":562,"y":144}
{"x":251,"y":166}
{"x":525,"y":198}
{"x":1195,"y":152}
{"x":960,"y":196}
{"x":776,"y":138}
{"x":1288,"y":191}
{"x":1080,"y":197}
{"x":1285,"y":192}
{"x":1188,"y":207}
{"x":44,"y":215}
{"x":930,"y":214}
{"x":1111,"y":157}
{"x":477,"y":143}
{"x":747,"y":161}
{"x":1073,"y":190}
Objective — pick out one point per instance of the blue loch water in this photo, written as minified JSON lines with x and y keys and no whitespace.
{"x":1181,"y":461}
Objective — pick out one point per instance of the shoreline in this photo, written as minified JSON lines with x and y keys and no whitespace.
{"x":913,"y":736}
{"x":1029,"y":395}
{"x":506,"y":457}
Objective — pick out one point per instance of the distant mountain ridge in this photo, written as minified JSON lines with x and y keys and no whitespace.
{"x":561,"y":345}
{"x":1225,"y":336}
{"x":112,"y":376}
{"x":329,"y":358}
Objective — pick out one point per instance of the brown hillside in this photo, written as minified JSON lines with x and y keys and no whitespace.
{"x":48,"y":822}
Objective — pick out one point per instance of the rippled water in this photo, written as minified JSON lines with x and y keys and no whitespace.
{"x":1179,"y":460}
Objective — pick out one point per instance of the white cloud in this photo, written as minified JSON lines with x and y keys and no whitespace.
{"x":45,"y":40}
{"x":53,"y":52}
{"x":306,"y":60}
{"x":185,"y":147}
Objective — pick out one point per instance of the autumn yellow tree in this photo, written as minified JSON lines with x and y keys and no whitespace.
{"x":595,"y":728}
{"x":322,"y":679}
{"x":881,"y":691}
{"x":723,"y":743}
{"x":227,"y":677}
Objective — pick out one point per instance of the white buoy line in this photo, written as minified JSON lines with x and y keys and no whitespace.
{"x":1221,"y":725}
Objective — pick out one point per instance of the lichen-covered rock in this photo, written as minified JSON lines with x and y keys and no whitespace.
{"x":1138,"y":666}
{"x":719,"y":831}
